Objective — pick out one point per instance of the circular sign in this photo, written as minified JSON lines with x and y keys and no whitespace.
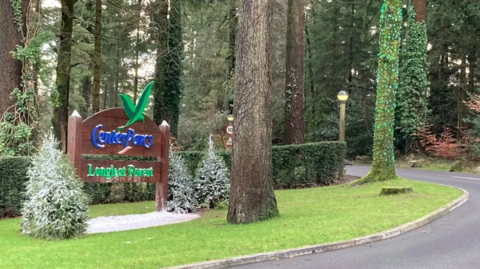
{"x":229,"y":130}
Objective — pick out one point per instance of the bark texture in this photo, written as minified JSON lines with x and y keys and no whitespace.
{"x":87,"y":94}
{"x":251,"y":192}
{"x":10,"y":68}
{"x":294,"y":95}
{"x":97,"y":56}
{"x":420,"y":7}
{"x":63,"y":72}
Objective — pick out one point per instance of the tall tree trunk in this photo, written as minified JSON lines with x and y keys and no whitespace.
{"x":294,"y":95}
{"x":310,"y":72}
{"x":251,"y":192}
{"x":461,"y":97}
{"x":232,"y":19}
{"x":10,"y":36}
{"x":420,"y":7}
{"x":117,"y":80}
{"x":309,"y":63}
{"x":87,"y":95}
{"x":387,"y":78}
{"x":137,"y":49}
{"x":472,"y":68}
{"x":63,"y":72}
{"x":160,"y":19}
{"x":97,"y":56}
{"x":105,"y":92}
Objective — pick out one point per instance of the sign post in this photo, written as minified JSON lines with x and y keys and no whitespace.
{"x":229,"y":131}
{"x":121,"y":131}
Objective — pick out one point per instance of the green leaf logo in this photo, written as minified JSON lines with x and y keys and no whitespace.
{"x":135,"y":113}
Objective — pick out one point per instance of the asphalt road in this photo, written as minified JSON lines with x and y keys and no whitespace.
{"x":452,"y":241}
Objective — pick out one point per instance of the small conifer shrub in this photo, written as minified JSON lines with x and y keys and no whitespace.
{"x":181,"y":195}
{"x":212,"y":184}
{"x":56,"y":206}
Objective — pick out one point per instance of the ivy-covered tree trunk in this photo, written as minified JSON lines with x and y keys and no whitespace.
{"x":173,"y":88}
{"x":160,"y":25}
{"x":412,"y":100}
{"x":294,"y":95}
{"x":63,"y":72}
{"x":251,"y":193}
{"x":387,"y":79}
{"x":97,"y":56}
{"x":10,"y":35}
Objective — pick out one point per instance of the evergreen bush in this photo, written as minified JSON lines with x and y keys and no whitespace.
{"x":56,"y":206}
{"x":212,"y":183}
{"x":181,"y":194}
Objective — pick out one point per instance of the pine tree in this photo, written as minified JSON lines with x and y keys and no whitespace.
{"x":56,"y":206}
{"x":181,"y":195}
{"x":212,"y":184}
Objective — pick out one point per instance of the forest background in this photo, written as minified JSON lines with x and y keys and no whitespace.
{"x":80,"y":55}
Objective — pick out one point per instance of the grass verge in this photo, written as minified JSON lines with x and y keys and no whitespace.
{"x":308,"y":217}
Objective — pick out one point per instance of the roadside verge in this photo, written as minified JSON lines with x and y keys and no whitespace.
{"x":290,"y":253}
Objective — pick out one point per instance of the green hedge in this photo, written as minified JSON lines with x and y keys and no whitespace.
{"x":13,"y":176}
{"x":294,"y":166}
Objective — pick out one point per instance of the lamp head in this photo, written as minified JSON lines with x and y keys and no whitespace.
{"x":230,"y":117}
{"x":342,"y":96}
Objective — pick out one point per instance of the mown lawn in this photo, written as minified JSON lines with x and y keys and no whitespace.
{"x":308,"y":217}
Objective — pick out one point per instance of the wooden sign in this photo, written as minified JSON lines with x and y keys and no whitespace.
{"x":126,"y":132}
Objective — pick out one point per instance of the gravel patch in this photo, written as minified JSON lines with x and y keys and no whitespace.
{"x":138,"y":221}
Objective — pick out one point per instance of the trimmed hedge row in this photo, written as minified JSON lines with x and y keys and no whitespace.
{"x":13,"y":176}
{"x":294,"y":166}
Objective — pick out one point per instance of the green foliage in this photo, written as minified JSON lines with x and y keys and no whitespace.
{"x":294,"y":166}
{"x":340,"y":55}
{"x":16,"y":129}
{"x":212,"y":182}
{"x":412,"y":108}
{"x":17,"y":13}
{"x":309,"y":217}
{"x":12,"y":185}
{"x":56,"y":206}
{"x":387,"y":79}
{"x":314,"y":164}
{"x":101,"y":193}
{"x":453,"y":28}
{"x":173,"y":85}
{"x":181,"y":192}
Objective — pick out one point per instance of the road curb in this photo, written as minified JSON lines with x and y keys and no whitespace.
{"x":290,"y":253}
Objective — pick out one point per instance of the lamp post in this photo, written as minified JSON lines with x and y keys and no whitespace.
{"x":342,"y":97}
{"x":229,"y":131}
